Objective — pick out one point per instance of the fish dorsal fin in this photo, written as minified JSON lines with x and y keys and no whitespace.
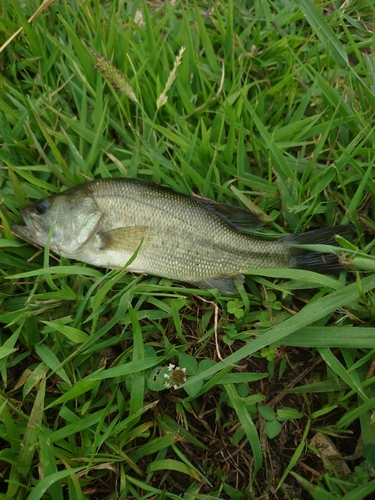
{"x":124,"y":238}
{"x":240,"y":219}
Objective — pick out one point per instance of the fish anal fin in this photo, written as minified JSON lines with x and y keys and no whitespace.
{"x":225,"y":284}
{"x":124,"y":238}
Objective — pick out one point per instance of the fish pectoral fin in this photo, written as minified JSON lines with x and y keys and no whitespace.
{"x":124,"y":238}
{"x":225,"y":284}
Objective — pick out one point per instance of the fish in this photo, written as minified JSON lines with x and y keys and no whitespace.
{"x":106,"y":222}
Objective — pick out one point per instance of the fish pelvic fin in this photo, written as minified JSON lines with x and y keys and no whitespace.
{"x":317,"y":261}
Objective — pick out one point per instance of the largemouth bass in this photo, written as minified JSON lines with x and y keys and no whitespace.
{"x":180,"y":237}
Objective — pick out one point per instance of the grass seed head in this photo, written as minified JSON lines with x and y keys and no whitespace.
{"x":163,"y":98}
{"x":115,"y":77}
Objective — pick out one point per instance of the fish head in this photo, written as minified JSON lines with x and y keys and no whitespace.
{"x":73,"y":218}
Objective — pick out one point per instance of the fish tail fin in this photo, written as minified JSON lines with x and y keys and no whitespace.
{"x":318,"y":261}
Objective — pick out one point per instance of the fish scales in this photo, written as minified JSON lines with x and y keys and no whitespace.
{"x":179,"y":237}
{"x":186,"y":240}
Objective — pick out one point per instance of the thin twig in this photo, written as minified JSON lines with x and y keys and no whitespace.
{"x":39,"y":10}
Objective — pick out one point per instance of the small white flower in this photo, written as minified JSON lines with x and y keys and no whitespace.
{"x":176,"y":377}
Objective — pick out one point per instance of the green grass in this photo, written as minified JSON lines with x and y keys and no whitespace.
{"x":272,"y":107}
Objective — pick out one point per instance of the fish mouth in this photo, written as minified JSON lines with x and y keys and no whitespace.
{"x":24,"y":233}
{"x":29,"y":232}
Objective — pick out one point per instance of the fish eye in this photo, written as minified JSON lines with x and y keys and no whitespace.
{"x":42,"y":207}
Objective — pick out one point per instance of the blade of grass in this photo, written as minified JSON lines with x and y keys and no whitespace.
{"x":43,"y":485}
{"x":33,"y":429}
{"x":325,"y":33}
{"x":168,"y":464}
{"x":248,"y":425}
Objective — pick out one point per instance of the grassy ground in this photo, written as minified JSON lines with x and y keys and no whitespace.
{"x":270,"y":104}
